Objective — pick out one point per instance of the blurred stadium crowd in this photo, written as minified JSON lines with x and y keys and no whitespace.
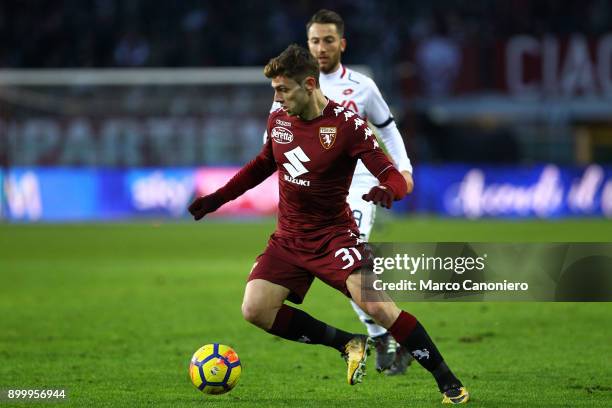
{"x":437,"y":63}
{"x":505,"y":107}
{"x":117,"y":33}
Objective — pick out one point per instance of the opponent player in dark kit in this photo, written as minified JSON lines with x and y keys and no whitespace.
{"x":314,"y":144}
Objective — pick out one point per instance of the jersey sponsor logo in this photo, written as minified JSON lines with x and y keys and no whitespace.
{"x":296,"y":158}
{"x":282,"y":135}
{"x":299,"y":182}
{"x":347,"y":91}
{"x":283,"y":123}
{"x":327,"y":136}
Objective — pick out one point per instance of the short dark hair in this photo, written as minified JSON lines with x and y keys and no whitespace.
{"x":325,"y":16}
{"x":295,"y":62}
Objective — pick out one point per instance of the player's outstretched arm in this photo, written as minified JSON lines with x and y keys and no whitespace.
{"x":252,"y":174}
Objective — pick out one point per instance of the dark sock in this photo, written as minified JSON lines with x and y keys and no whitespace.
{"x":412,"y":335}
{"x":294,"y":324}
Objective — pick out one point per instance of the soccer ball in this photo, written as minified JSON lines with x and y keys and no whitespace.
{"x":215,"y":369}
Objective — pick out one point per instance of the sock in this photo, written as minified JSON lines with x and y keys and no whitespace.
{"x":411,"y":334}
{"x":294,"y":324}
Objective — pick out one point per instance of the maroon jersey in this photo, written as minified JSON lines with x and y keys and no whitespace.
{"x":316,"y":160}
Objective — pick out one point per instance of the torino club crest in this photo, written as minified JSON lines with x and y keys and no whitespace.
{"x":327,"y":136}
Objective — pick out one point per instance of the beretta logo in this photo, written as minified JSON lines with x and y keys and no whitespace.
{"x":282,"y":135}
{"x":327,"y":136}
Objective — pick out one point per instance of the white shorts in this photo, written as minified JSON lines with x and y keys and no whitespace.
{"x":364,"y":212}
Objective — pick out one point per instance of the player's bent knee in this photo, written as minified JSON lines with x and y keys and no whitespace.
{"x":256,"y":315}
{"x":251,"y":313}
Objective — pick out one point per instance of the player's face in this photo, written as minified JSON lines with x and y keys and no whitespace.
{"x":326,"y":46}
{"x":292,"y":96}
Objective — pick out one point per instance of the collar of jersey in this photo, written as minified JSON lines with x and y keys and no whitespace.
{"x":334,"y":75}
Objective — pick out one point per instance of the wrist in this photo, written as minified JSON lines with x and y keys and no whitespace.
{"x":217,"y":199}
{"x":397,"y":186}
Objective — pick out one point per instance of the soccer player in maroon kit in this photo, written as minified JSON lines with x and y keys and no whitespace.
{"x":314,"y":144}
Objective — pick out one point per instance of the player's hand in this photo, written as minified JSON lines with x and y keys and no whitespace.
{"x":203,"y":205}
{"x":381,"y":195}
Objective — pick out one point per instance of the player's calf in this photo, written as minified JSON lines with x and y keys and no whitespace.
{"x":373,"y":329}
{"x":383,"y":313}
{"x":294,"y":324}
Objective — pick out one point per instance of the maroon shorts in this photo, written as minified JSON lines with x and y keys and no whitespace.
{"x":294,"y":262}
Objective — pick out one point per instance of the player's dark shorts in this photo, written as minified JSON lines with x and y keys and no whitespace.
{"x":294,"y":262}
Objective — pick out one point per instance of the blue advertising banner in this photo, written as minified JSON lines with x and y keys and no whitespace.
{"x":159,"y":192}
{"x":78,"y":194}
{"x":51,"y":194}
{"x":64,"y":194}
{"x":544,"y":191}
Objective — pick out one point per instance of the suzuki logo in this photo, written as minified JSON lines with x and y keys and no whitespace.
{"x":296,"y":157}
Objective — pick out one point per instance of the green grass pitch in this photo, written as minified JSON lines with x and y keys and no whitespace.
{"x":113,"y":313}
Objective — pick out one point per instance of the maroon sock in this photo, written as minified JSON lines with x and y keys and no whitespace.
{"x":411,"y":334}
{"x":294,"y":324}
{"x":403,"y":326}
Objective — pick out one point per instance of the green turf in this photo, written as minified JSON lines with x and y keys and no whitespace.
{"x":113,"y":313}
